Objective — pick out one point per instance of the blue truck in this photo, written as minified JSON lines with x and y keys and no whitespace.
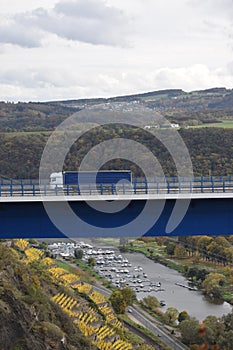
{"x":78,"y":180}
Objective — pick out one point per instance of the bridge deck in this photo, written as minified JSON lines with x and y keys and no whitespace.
{"x":158,"y":187}
{"x":115,"y":197}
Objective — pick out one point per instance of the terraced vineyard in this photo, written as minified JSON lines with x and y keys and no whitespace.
{"x":105,"y":332}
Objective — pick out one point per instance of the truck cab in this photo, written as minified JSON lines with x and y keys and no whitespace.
{"x":56,"y":180}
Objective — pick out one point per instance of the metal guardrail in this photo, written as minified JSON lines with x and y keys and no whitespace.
{"x":139,"y":186}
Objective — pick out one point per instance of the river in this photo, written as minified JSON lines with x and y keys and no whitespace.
{"x":175,"y":296}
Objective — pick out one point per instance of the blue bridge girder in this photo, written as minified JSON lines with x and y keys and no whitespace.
{"x":26,"y":217}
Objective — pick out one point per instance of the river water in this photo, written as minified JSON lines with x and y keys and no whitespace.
{"x":175,"y":296}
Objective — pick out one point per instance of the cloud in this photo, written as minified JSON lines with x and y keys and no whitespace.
{"x":190,"y":78}
{"x":80,"y":47}
{"x":33,"y":78}
{"x":215,"y":19}
{"x":90,"y":9}
{"x":89,"y":21}
{"x":17,"y":34}
{"x":53,"y":84}
{"x":219,"y":7}
{"x":218,"y":10}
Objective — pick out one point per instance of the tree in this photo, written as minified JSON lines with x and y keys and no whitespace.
{"x":91,"y":262}
{"x":226,"y":341}
{"x":170,"y":248}
{"x":172,"y":314}
{"x":228,"y":321}
{"x":78,"y":253}
{"x":229,"y":255}
{"x":118,"y":302}
{"x":180,"y":252}
{"x":214,"y":251}
{"x":212,"y":284}
{"x":192,"y":272}
{"x":189,"y":330}
{"x":183,"y":315}
{"x":43,"y":245}
{"x":213,"y":329}
{"x":222,"y":241}
{"x":151,"y":302}
{"x":202,"y":244}
{"x":128,"y":295}
{"x":201,"y":275}
{"x":190,"y":244}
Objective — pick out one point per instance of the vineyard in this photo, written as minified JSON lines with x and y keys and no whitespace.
{"x":105,"y":332}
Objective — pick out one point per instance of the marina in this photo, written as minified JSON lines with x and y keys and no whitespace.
{"x":120,"y":272}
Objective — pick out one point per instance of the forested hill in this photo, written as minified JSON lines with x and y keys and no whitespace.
{"x":205,"y":121}
{"x":210,"y":149}
{"x":193,"y":108}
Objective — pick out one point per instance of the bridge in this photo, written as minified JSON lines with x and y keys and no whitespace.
{"x":32,"y":209}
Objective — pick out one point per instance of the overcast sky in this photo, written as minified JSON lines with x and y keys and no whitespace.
{"x":68,"y":49}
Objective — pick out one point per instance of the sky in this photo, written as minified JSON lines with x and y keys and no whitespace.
{"x":71,"y":49}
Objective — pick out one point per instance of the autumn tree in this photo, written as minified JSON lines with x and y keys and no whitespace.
{"x":203,"y":243}
{"x":118,"y":302}
{"x":213,"y":330}
{"x":228,"y":321}
{"x":171,"y":314}
{"x":151,"y":302}
{"x":213,"y":283}
{"x":180,"y":252}
{"x":225,"y":342}
{"x":189,"y":330}
{"x":128,"y":295}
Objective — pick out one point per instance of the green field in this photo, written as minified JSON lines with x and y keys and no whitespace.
{"x":226,"y":124}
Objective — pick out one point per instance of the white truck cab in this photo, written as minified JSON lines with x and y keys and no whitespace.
{"x":56,"y":180}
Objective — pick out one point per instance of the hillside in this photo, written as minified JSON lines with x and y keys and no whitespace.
{"x":210,"y":151}
{"x":44,"y":306}
{"x":29,"y":319}
{"x":25,"y":128}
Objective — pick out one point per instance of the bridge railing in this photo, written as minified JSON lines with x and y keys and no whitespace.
{"x":169,"y":185}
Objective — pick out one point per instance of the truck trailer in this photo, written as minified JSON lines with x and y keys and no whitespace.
{"x":82,"y":180}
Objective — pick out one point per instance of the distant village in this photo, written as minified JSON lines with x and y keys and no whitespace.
{"x":162,"y":126}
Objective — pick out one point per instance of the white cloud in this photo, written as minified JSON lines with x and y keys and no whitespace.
{"x":88,"y":48}
{"x":215,"y":16}
{"x":90,"y":21}
{"x":91,"y":9}
{"x":44,"y":84}
{"x":18,"y":35}
{"x":216,"y":7}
